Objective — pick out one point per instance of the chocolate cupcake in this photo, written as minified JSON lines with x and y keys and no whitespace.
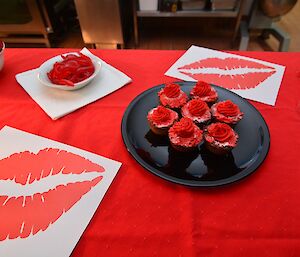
{"x":220,"y":138}
{"x":171,"y":96}
{"x":198,"y":111}
{"x":227,"y":112}
{"x":204,"y":92}
{"x":161,"y":119}
{"x":185,"y":136}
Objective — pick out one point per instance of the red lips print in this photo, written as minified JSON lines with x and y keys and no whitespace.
{"x":27,"y":213}
{"x":231,"y":73}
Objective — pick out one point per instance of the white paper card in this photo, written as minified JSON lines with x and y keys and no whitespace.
{"x":49,"y":191}
{"x":57,"y":103}
{"x":250,"y":78}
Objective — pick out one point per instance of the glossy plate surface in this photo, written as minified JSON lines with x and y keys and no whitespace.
{"x":199,"y":168}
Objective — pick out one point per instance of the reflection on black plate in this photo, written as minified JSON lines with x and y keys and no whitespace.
{"x":199,"y":168}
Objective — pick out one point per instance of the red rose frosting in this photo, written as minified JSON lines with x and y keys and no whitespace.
{"x":227,"y":112}
{"x":205,"y":92}
{"x":197,"y":110}
{"x":171,"y":96}
{"x":186,"y":134}
{"x":228,"y":108}
{"x":161,"y":114}
{"x":172,"y":90}
{"x":202,"y":89}
{"x":184,"y":128}
{"x":221,"y":133}
{"x":162,"y":117}
{"x":197,"y":107}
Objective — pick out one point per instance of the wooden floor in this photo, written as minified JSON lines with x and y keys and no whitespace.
{"x":181,"y":33}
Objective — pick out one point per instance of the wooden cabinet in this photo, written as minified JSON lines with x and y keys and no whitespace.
{"x":235,"y":13}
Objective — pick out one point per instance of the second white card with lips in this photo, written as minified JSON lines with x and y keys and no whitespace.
{"x":49,"y":192}
{"x":248,"y":77}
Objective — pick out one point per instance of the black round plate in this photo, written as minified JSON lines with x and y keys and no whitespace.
{"x":199,"y":168}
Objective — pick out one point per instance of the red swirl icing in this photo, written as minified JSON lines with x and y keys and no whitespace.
{"x":184,"y":128}
{"x":172,"y":90}
{"x":228,"y":108}
{"x":160,"y":114}
{"x":197,"y":107}
{"x":202,"y":89}
{"x":220,"y":132}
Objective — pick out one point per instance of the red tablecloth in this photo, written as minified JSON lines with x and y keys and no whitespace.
{"x":143,"y":215}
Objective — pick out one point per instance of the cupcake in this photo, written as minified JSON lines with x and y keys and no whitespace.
{"x":171,"y":96}
{"x":226,"y":112}
{"x":161,"y":119}
{"x":198,"y":111}
{"x":184,"y":135}
{"x":204,"y":92}
{"x":220,"y":138}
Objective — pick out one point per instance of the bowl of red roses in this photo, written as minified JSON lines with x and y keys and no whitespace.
{"x":70,"y":71}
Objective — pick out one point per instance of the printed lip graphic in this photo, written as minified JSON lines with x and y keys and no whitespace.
{"x":27,"y":213}
{"x":231,"y":73}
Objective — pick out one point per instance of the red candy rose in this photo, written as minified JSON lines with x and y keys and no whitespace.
{"x":228,"y":108}
{"x":220,"y":132}
{"x":160,"y":114}
{"x":184,"y":128}
{"x":202,"y":89}
{"x":197,"y":107}
{"x":172,"y":90}
{"x":72,"y":69}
